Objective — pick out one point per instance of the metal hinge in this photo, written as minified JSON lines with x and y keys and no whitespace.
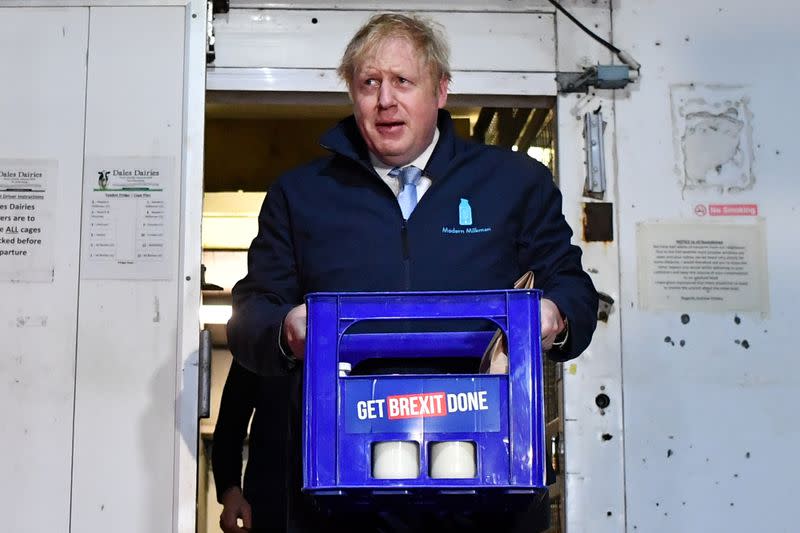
{"x":594,"y":126}
{"x":204,"y":375}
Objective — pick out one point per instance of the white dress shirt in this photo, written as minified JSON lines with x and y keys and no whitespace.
{"x":420,"y":162}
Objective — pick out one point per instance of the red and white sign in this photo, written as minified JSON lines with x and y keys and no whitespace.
{"x":733,"y":210}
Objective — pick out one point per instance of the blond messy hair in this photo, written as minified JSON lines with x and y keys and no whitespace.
{"x":426,"y":36}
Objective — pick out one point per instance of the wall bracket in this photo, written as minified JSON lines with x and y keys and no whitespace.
{"x":598,"y":76}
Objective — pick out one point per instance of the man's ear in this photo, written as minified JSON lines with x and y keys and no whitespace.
{"x":442,"y":97}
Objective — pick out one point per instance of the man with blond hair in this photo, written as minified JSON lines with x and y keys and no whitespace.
{"x":402,"y":204}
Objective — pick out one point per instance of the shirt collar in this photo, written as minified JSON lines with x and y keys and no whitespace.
{"x":420,"y":162}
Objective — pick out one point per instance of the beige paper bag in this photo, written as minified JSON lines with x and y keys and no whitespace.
{"x":495,"y":358}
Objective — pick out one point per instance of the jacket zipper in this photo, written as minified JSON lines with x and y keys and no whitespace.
{"x":406,"y":255}
{"x":403,"y":228}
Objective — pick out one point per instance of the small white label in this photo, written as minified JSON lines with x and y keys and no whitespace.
{"x":129,"y":215}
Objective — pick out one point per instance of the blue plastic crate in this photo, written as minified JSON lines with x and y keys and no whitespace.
{"x":345,"y":416}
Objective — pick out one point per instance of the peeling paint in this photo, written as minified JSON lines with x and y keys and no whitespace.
{"x":709,"y":142}
{"x":713,"y":137}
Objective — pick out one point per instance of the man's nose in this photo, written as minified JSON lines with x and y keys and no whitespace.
{"x":386,"y":95}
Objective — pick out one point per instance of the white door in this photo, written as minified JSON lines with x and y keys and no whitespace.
{"x":102,"y":110}
{"x":42,"y":97}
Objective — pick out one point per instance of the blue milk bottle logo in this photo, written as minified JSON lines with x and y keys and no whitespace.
{"x":464,"y":213}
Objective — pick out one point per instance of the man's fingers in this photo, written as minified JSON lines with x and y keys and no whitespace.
{"x":247,"y":518}
{"x":552,"y":323}
{"x":294,"y":329}
{"x":228,"y":523}
{"x":233,"y":514}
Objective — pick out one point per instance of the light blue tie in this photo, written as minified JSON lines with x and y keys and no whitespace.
{"x":409,"y":177}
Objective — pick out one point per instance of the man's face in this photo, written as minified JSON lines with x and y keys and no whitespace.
{"x":395,"y":102}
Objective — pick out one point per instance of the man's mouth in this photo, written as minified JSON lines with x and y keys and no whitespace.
{"x":389,"y":126}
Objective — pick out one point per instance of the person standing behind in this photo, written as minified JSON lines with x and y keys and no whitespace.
{"x":261,"y":506}
{"x":402,"y":204}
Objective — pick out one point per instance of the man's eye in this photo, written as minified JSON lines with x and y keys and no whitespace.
{"x":371,"y":82}
{"x":402,"y":81}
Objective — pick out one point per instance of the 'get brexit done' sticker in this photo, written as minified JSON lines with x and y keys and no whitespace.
{"x":381,"y":405}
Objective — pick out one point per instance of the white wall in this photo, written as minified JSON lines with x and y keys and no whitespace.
{"x":711,"y":427}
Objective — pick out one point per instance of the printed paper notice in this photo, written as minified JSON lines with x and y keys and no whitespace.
{"x":702,"y":267}
{"x":27,"y":232}
{"x":128,"y":211}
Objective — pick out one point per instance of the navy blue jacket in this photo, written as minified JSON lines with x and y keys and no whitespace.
{"x":334,"y":225}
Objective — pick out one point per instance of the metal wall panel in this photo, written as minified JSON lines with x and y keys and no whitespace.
{"x":593,"y":437}
{"x":42,"y":108}
{"x":125,"y":414}
{"x":316,"y":39}
{"x":710,"y":397}
{"x":408,"y":5}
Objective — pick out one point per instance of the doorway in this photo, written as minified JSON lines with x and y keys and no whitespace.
{"x":251,"y":139}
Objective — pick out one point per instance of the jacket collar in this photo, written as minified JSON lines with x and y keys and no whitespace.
{"x":344,"y":139}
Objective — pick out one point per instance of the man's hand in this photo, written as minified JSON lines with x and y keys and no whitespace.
{"x":552,"y":323}
{"x":294,"y":331}
{"x":235,"y":507}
